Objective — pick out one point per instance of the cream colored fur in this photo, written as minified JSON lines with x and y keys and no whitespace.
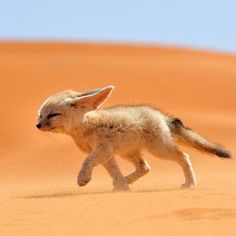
{"x":118,"y":130}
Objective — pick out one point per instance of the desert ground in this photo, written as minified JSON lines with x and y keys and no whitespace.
{"x":38,"y":170}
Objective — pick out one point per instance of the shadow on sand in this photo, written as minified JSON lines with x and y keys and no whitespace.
{"x":74,"y":194}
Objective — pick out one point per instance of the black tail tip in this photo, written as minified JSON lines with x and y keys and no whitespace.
{"x":222,"y":153}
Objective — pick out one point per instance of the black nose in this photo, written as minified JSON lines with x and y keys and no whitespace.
{"x":38,"y":126}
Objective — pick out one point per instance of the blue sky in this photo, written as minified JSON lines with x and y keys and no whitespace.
{"x":207,"y":24}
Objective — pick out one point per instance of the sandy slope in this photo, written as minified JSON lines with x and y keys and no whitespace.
{"x":38,"y":171}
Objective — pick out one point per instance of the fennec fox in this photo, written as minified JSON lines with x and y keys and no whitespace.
{"x":122,"y":130}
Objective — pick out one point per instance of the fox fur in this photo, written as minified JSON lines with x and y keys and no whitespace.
{"x":121,"y":130}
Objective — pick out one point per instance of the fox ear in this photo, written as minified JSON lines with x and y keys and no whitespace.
{"x":92,"y":99}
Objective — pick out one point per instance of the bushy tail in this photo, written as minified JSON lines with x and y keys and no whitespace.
{"x":187,"y":136}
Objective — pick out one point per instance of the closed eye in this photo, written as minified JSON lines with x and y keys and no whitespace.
{"x":53,"y":115}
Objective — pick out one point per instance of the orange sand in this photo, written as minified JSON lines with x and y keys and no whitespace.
{"x":39,"y":195}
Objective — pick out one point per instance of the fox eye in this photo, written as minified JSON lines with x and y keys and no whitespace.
{"x":53,"y":115}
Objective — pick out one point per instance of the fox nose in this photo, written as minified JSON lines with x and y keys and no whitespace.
{"x":38,"y":126}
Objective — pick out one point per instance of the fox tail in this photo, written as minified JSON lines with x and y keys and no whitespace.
{"x":186,"y":136}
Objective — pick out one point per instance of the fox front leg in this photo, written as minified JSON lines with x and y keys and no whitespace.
{"x":119,"y":181}
{"x":101,"y":154}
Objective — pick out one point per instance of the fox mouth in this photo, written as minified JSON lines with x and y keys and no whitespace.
{"x":45,"y":128}
{"x":52,"y":129}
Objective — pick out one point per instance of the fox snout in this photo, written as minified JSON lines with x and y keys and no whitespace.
{"x":38,"y":125}
{"x":44,"y":125}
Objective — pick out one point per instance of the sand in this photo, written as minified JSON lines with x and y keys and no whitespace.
{"x":38,"y":191}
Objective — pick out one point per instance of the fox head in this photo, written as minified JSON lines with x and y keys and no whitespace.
{"x":65,"y":110}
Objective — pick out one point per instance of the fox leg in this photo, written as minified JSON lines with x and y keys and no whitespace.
{"x":141,"y":166}
{"x":172,"y":153}
{"x":190,"y":177}
{"x":101,"y":154}
{"x":119,"y":181}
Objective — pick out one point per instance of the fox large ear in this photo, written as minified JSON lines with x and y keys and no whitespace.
{"x":92,"y":99}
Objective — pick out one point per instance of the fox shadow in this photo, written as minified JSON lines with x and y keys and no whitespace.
{"x":77,"y":194}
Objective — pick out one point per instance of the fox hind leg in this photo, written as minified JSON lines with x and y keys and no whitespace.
{"x":141,"y":166}
{"x":172,"y":153}
{"x":188,"y":172}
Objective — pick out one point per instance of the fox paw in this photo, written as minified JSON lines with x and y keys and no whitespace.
{"x":188,"y":185}
{"x":120,"y":185}
{"x":82,"y":181}
{"x":121,"y":188}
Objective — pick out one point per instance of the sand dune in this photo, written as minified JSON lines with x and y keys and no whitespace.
{"x":39,"y":195}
